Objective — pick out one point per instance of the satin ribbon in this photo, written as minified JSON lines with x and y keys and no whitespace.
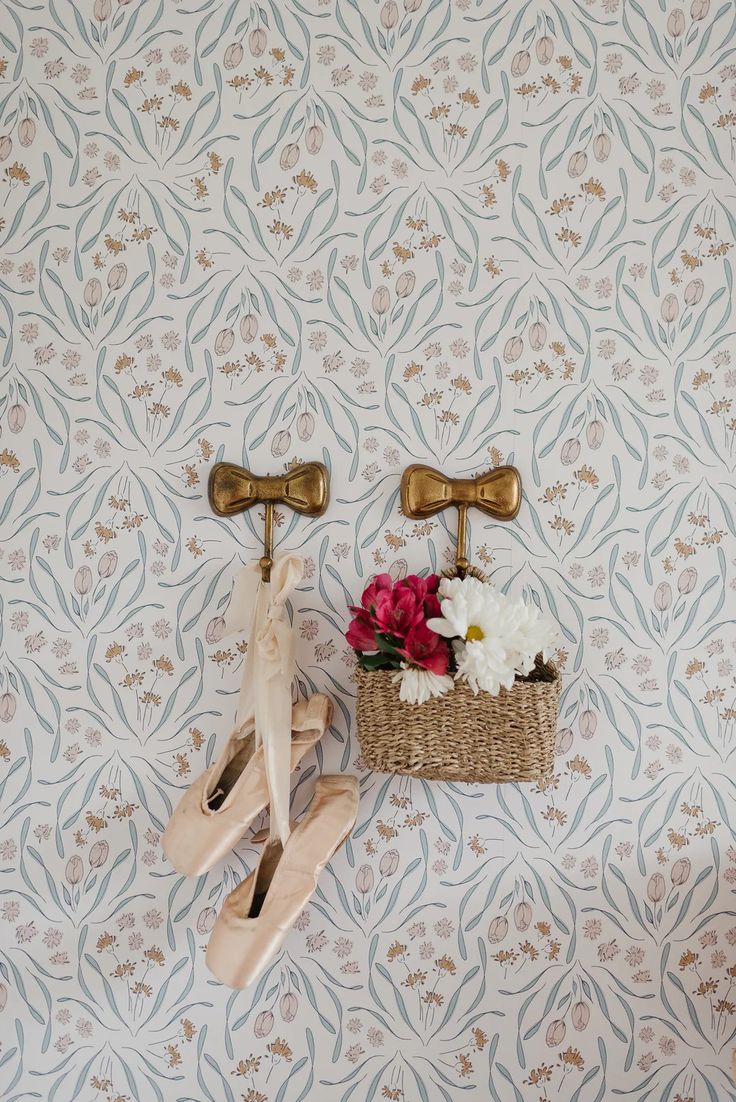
{"x":268,"y":670}
{"x":425,"y":491}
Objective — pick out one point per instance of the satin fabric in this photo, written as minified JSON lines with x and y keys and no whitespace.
{"x":268,"y":670}
{"x":198,"y":836}
{"x":257,"y":916}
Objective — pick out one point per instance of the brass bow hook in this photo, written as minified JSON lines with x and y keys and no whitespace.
{"x":425,"y":492}
{"x":233,"y":489}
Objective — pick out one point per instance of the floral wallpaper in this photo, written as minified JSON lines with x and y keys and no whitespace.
{"x":464,"y":232}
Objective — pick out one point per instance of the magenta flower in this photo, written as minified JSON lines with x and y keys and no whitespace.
{"x":397,"y":612}
{"x":425,"y":649}
{"x":361,"y":635}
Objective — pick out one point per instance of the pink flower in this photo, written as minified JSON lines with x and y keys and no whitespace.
{"x":398,"y":612}
{"x":392,"y":617}
{"x":361,"y":634}
{"x":415,"y":585}
{"x":425,"y":591}
{"x":424,"y":648}
{"x":380,"y":584}
{"x":432,"y":601}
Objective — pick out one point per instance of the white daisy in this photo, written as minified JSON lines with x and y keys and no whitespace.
{"x":495,"y":637}
{"x":420,"y":685}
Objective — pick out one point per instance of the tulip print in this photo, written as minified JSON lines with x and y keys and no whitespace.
{"x":381,"y":300}
{"x":545,"y":49}
{"x":83,"y":581}
{"x":580,"y":1015}
{"x":263,"y":1024}
{"x":595,"y":433}
{"x":463,"y":235}
{"x":224,"y":341}
{"x":577,"y":164}
{"x":498,"y":929}
{"x":520,"y":63}
{"x":233,"y":55}
{"x":215,"y":629}
{"x":288,"y":1006}
{"x":108,"y":564}
{"x":563,"y":740}
{"x":389,"y":862}
{"x":93,"y":292}
{"x":314,"y":138}
{"x":694,"y":292}
{"x":513,"y":349}
{"x":16,"y":418}
{"x":257,"y":40}
{"x":587,"y":723}
{"x":670,"y":308}
{"x":663,"y":596}
{"x":281,"y":443}
{"x":676,"y":22}
{"x":26,"y":132}
{"x":364,"y":879}
{"x":74,"y":870}
{"x":570,"y":451}
{"x":305,"y":426}
{"x":117,"y":277}
{"x":405,"y":284}
{"x":555,"y":1034}
{"x":206,"y":920}
{"x":249,"y":328}
{"x":537,"y":335}
{"x":8,"y":705}
{"x":602,"y":147}
{"x":687,"y":580}
{"x":680,"y":872}
{"x":289,"y":156}
{"x":656,"y":888}
{"x":389,"y":14}
{"x":98,"y":854}
{"x":522,"y":916}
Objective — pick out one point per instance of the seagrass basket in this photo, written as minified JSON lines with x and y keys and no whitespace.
{"x":460,"y":736}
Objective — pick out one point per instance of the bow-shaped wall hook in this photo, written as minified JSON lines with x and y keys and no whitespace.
{"x":425,"y":492}
{"x":305,"y":489}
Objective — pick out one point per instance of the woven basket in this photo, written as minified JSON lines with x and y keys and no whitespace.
{"x":461,"y":736}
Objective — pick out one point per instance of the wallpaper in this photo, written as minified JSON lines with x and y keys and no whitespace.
{"x":463,"y":232}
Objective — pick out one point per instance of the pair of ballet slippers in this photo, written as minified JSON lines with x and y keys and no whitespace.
{"x":216,"y":811}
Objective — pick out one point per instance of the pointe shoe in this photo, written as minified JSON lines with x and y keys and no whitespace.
{"x":256,"y":917}
{"x":219,"y":806}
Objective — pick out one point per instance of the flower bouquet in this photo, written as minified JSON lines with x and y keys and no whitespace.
{"x":453,"y":680}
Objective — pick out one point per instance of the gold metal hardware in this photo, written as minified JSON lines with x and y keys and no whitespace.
{"x":305,"y":489}
{"x":425,"y":492}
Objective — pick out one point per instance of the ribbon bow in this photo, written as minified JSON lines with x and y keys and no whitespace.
{"x":268,"y":669}
{"x":232,"y":489}
{"x":425,"y":492}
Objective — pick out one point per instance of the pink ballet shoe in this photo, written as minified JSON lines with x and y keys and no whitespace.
{"x":256,"y":917}
{"x":217,"y":809}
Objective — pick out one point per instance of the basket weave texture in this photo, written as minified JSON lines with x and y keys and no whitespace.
{"x":460,"y":736}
